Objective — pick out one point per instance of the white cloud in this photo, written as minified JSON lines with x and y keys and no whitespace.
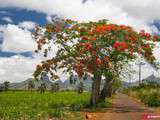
{"x":146,"y":71}
{"x":155,"y":30}
{"x":29,"y":25}
{"x":136,"y":13}
{"x":16,"y":39}
{"x":17,"y":68}
{"x":20,"y":68}
{"x":7,"y":19}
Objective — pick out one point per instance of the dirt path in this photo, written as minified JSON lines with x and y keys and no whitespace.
{"x":125,"y":108}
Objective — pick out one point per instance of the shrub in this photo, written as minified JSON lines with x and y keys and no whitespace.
{"x":153,"y":99}
{"x":150,"y":98}
{"x":58,"y":113}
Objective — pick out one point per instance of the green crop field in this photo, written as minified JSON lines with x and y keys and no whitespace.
{"x":16,"y":105}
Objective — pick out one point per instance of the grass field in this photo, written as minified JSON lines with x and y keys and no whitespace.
{"x":16,"y":105}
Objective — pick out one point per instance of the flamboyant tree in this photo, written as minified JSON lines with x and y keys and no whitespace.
{"x":97,"y":48}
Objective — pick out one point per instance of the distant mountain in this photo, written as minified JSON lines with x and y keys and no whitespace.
{"x":44,"y":79}
{"x":125,"y":84}
{"x":24,"y":84}
{"x":151,"y":78}
{"x":87,"y":83}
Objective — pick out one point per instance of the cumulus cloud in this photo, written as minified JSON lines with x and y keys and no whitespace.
{"x":16,"y":39}
{"x":136,"y":13}
{"x":18,"y":68}
{"x":29,"y":25}
{"x":7,"y":19}
{"x":155,"y":30}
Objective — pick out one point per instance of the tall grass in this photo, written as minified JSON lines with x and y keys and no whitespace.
{"x":148,"y":94}
{"x":22,"y":104}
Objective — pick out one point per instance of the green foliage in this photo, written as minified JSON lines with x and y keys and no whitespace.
{"x":150,"y":98}
{"x":42,"y":88}
{"x":1,"y":88}
{"x":6,"y":85}
{"x":58,"y":112}
{"x":80,"y":87}
{"x":116,"y":85}
{"x":76,"y":107}
{"x":100,"y":105}
{"x":147,"y":93}
{"x":31,"y":85}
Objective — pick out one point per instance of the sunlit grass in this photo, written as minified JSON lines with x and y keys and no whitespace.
{"x":23,"y":104}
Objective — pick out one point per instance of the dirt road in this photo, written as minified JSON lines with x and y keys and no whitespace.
{"x":126,"y":108}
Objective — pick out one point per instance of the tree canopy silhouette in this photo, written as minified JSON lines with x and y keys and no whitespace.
{"x":96,"y":48}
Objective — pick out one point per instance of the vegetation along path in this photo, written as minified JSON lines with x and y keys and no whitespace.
{"x":125,"y":108}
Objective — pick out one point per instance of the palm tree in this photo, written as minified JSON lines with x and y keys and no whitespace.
{"x":31,"y":85}
{"x":6,"y":85}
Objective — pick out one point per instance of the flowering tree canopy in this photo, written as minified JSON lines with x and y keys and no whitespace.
{"x":91,"y":47}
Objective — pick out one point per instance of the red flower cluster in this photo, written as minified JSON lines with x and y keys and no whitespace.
{"x":144,"y":34}
{"x":120,"y":46}
{"x":156,"y":37}
{"x":87,"y":38}
{"x":131,"y":39}
{"x":97,"y":61}
{"x":93,"y":39}
{"x":104,"y":28}
{"x":84,"y":38}
{"x":111,"y":27}
{"x":87,"y":47}
{"x":101,"y":28}
{"x":106,"y":59}
{"x":123,"y":27}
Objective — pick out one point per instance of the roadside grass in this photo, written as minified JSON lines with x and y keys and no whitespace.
{"x":149,"y":95}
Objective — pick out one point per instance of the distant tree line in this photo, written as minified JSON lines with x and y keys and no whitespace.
{"x":43,"y":87}
{"x":31,"y":86}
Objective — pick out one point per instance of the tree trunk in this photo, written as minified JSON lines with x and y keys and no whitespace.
{"x":107,"y":89}
{"x":95,"y":89}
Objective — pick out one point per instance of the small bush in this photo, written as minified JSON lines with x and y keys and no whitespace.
{"x":147,"y":93}
{"x":153,"y":99}
{"x":76,"y":107}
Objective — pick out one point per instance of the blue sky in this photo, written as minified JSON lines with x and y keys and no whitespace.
{"x":19,"y":17}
